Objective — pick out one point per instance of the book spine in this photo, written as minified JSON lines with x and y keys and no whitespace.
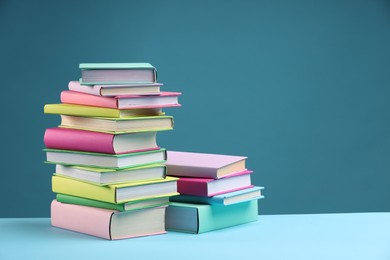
{"x":92,"y":90}
{"x":78,"y":98}
{"x":189,"y":187}
{"x":89,"y":202}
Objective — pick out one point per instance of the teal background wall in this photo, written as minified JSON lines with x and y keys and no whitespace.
{"x":300,"y":87}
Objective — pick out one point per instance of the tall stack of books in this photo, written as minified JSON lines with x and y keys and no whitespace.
{"x":110,"y":175}
{"x":215,"y":192}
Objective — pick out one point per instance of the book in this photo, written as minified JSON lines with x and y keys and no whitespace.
{"x":201,"y":218}
{"x":89,"y":141}
{"x":132,"y":205}
{"x":80,"y":110}
{"x":223,"y":199}
{"x":104,"y":176}
{"x":117,"y":73}
{"x":103,"y":160}
{"x":163,"y":99}
{"x":108,"y":224}
{"x":211,"y":187}
{"x":116,"y":90}
{"x":203,"y":165}
{"x":115,"y":193}
{"x":118,"y":125}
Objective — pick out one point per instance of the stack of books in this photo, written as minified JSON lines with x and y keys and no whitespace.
{"x":110,"y":175}
{"x":215,"y":192}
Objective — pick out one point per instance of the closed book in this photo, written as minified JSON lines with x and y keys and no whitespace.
{"x":108,"y":224}
{"x":132,"y":205}
{"x":117,"y":73}
{"x":103,"y":160}
{"x":89,"y":141}
{"x":203,"y":165}
{"x":118,"y":125}
{"x":105,"y":176}
{"x":211,"y":187}
{"x":163,"y":99}
{"x":200,"y":218}
{"x":115,"y":193}
{"x":116,"y":90}
{"x":80,"y":110}
{"x":223,"y":199}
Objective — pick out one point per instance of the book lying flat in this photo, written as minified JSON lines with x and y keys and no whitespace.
{"x":105,"y":176}
{"x":163,"y":99}
{"x":116,"y":90}
{"x":89,"y":141}
{"x":118,"y":125}
{"x":103,"y":160}
{"x":115,"y":193}
{"x":203,"y":165}
{"x":223,"y":199}
{"x":211,"y":187}
{"x":132,"y":205}
{"x":200,"y":218}
{"x":108,"y":224}
{"x":117,"y":73}
{"x":80,"y":110}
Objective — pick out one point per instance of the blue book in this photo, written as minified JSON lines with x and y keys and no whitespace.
{"x":223,"y":199}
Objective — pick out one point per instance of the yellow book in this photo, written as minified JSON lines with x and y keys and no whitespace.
{"x":90,"y":111}
{"x":116,"y":193}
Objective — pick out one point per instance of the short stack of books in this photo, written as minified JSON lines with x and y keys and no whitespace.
{"x":110,"y":176}
{"x":215,"y":192}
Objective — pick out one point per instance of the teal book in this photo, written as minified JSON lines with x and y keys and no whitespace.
{"x":223,"y":199}
{"x":201,"y":218}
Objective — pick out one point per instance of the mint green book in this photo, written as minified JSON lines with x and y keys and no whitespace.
{"x":134,"y":205}
{"x":201,"y":218}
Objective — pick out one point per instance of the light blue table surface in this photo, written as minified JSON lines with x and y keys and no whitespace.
{"x":317,"y":236}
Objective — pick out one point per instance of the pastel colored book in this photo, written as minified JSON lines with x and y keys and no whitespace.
{"x":163,"y":99}
{"x":201,"y":218}
{"x":223,"y":199}
{"x":117,"y":73}
{"x":133,"y":205}
{"x":115,"y":193}
{"x":80,"y":110}
{"x":103,"y":160}
{"x":104,"y":176}
{"x":212,"y":187}
{"x":203,"y":165}
{"x":89,"y":141}
{"x":116,"y":90}
{"x":108,"y":224}
{"x":118,"y":125}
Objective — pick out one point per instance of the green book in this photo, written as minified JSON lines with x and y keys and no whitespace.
{"x":134,"y":205}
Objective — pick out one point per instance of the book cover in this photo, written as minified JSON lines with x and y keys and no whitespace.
{"x":201,"y":218}
{"x":108,"y":224}
{"x":203,"y":165}
{"x":89,"y":141}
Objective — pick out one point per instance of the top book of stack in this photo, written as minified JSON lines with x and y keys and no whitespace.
{"x":117,"y":73}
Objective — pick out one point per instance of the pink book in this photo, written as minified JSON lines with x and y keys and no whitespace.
{"x":108,"y":224}
{"x":163,"y":99}
{"x":203,"y":165}
{"x":210,"y":187}
{"x":89,"y":141}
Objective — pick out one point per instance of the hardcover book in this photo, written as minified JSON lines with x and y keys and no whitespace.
{"x":163,"y":99}
{"x":108,"y":224}
{"x":203,"y":165}
{"x":89,"y":141}
{"x":200,"y":218}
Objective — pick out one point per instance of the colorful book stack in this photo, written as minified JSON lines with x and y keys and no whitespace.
{"x":110,"y":176}
{"x":215,"y":192}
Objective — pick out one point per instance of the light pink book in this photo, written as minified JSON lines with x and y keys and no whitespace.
{"x":210,"y":187}
{"x":108,"y":224}
{"x":116,"y":90}
{"x":203,"y":165}
{"x":163,"y":99}
{"x":89,"y":141}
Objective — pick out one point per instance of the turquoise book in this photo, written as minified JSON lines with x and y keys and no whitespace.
{"x":201,"y":218}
